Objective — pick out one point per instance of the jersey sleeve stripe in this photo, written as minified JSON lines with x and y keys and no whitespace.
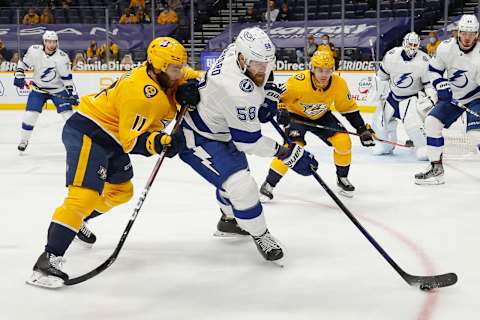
{"x":383,"y":70}
{"x":471,"y":93}
{"x":68,"y":77}
{"x":245,"y":136}
{"x":433,"y":69}
{"x":198,"y":122}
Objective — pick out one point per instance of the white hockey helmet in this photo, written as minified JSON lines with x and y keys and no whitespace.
{"x":468,"y":23}
{"x":410,"y":44}
{"x":50,"y":35}
{"x":255,"y":45}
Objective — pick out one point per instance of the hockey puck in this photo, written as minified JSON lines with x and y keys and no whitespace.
{"x":409,"y":143}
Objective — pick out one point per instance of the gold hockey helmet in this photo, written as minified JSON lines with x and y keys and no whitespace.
{"x":163,"y":51}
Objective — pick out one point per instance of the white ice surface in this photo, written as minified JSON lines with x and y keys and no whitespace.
{"x":172,"y":268}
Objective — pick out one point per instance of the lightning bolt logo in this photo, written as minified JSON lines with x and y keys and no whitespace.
{"x":457,"y":75}
{"x":403,"y":78}
{"x":204,"y":156}
{"x":45,"y":74}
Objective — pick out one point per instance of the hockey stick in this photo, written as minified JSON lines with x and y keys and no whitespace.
{"x":35,"y":88}
{"x":319,"y":126}
{"x":140,"y":201}
{"x":425,"y":283}
{"x":464,"y":107}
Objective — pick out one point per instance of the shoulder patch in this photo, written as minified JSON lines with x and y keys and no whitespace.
{"x":150,"y":91}
{"x":246,"y":85}
{"x":300,"y":76}
{"x":63,"y":54}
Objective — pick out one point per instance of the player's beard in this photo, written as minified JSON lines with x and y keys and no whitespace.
{"x":258,"y":78}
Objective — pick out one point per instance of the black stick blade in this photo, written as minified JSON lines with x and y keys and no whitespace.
{"x":432,"y":282}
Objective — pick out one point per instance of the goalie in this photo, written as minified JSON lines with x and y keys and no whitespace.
{"x":404,"y":72}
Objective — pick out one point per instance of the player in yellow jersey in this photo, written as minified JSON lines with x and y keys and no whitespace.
{"x":310,"y":96}
{"x":128,"y":117}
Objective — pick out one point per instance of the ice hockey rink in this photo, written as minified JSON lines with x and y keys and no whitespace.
{"x":171,"y":266}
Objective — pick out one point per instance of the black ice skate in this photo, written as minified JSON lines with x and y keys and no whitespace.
{"x":47,"y":272}
{"x":85,"y":236}
{"x":345,"y":187}
{"x":22,"y":145}
{"x":268,"y":246}
{"x":433,"y":176}
{"x":228,"y":227}
{"x":266,"y":192}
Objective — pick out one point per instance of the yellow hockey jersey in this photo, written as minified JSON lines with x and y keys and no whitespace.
{"x":132,"y":105}
{"x":302,"y":97}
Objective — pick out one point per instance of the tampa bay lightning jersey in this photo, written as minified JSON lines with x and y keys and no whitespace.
{"x":459,"y":68}
{"x":50,"y":72}
{"x":228,"y":108}
{"x":406,"y":76}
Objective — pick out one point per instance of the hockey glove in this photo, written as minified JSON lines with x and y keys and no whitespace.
{"x":173,"y":143}
{"x":366,"y":135}
{"x":268,"y":109}
{"x":72,"y":96}
{"x":297,"y":158}
{"x":283,"y":117}
{"x":444,"y":92}
{"x":19,"y":82}
{"x":188,"y":95}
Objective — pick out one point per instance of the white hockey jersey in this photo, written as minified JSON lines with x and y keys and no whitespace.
{"x":406,"y":77}
{"x":459,"y":68}
{"x":50,"y":72}
{"x":228,"y":108}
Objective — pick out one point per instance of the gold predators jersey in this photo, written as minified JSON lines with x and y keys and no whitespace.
{"x":132,"y":105}
{"x":304,"y":99}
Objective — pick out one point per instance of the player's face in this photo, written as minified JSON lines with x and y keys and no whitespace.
{"x":174,"y":72}
{"x":322,"y":75}
{"x":50,"y":45}
{"x":257,"y":71}
{"x":467,"y":39}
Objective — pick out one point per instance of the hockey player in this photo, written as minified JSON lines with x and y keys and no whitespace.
{"x":226,"y":125}
{"x":128,"y":117}
{"x":455,"y":74}
{"x":309,"y":97}
{"x":411,"y":96}
{"x":52,"y":79}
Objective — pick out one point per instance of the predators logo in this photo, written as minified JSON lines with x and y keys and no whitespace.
{"x":313,"y":109}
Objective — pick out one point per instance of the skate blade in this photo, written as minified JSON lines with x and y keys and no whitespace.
{"x":40,"y":280}
{"x":83,"y":243}
{"x":221,"y":234}
{"x":431,"y":182}
{"x":279,"y":263}
{"x":347,"y":194}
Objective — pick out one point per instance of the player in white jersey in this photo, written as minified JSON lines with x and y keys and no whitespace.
{"x":411,"y":96}
{"x":226,"y":124}
{"x":455,"y":74}
{"x":52,"y":79}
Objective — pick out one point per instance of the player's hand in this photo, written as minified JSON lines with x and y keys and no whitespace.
{"x":444,"y":92}
{"x":188,"y":95}
{"x":72,"y":96}
{"x":172,"y":142}
{"x":268,"y":109}
{"x":283,"y":117}
{"x":366,"y":135}
{"x":297,"y":158}
{"x":19,"y":82}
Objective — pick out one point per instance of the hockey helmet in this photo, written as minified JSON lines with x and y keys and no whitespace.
{"x":50,"y":35}
{"x":410,"y":44}
{"x":163,"y":51}
{"x":322,"y":59}
{"x":468,"y":23}
{"x":255,"y":45}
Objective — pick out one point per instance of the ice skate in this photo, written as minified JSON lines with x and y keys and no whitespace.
{"x":85,"y":236}
{"x":22,"y":146}
{"x":345,"y":187}
{"x":228,"y":227}
{"x":266,"y":192}
{"x":433,"y":176}
{"x":47,"y":272}
{"x":268,"y":246}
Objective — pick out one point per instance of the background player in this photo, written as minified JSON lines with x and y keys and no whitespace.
{"x":226,"y":125}
{"x":309,"y":96}
{"x":51,"y":74}
{"x":410,"y":98}
{"x":125,"y":118}
{"x":455,"y":74}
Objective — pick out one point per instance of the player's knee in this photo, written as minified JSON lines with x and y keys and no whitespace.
{"x":118,"y":193}
{"x":78,"y":204}
{"x":341,"y":143}
{"x":433,"y":127}
{"x":242,"y":190}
